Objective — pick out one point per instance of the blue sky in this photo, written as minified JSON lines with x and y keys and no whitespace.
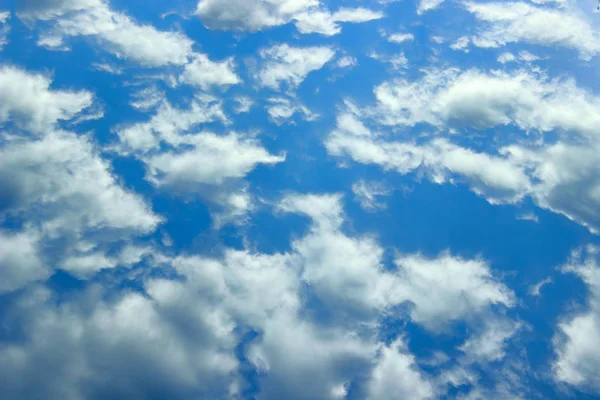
{"x":299,"y":199}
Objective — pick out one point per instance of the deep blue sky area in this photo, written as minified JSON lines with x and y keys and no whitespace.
{"x":299,"y":199}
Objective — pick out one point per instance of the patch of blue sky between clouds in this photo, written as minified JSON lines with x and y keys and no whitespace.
{"x":302,"y":199}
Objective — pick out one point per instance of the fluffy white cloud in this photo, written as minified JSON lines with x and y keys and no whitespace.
{"x":489,"y":343}
{"x":213,"y":160}
{"x":19,"y":261}
{"x":254,"y":15}
{"x":556,"y":175}
{"x":506,"y":58}
{"x":567,"y":178}
{"x":195,"y":163}
{"x":325,"y":23}
{"x":168,"y":125}
{"x":63,"y":186}
{"x":133,"y":346}
{"x":483,"y":100}
{"x":84,"y":264}
{"x":250,"y":15}
{"x":400,"y":37}
{"x":495,"y":177}
{"x":462,"y":44}
{"x":351,"y":262}
{"x":205,"y":73}
{"x":281,"y":110}
{"x":326,"y":358}
{"x":26,"y":99}
{"x":117,"y":32}
{"x":463,"y":289}
{"x":290,"y":65}
{"x":576,"y":343}
{"x":427,"y":5}
{"x":146,"y":98}
{"x":396,"y":376}
{"x":512,"y":22}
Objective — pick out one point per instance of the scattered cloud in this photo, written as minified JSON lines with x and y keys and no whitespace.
{"x":281,"y":110}
{"x":400,"y":37}
{"x":27,"y":100}
{"x":290,"y":65}
{"x":578,"y":357}
{"x":308,"y":15}
{"x":366,"y":194}
{"x":205,"y":73}
{"x":514,"y":22}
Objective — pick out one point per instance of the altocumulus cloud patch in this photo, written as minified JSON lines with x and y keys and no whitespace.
{"x":299,"y":199}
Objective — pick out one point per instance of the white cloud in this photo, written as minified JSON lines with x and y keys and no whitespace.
{"x":32,"y":10}
{"x":528,"y":57}
{"x":243,"y":104}
{"x":398,"y":61}
{"x":347,"y":62}
{"x":352,"y":262}
{"x":290,"y":65}
{"x":462,"y":44}
{"x":169,"y":125}
{"x":556,"y":175}
{"x":528,"y":217}
{"x":488,"y":345}
{"x":19,"y":261}
{"x":205,"y":73}
{"x":4,"y":28}
{"x":483,"y":100}
{"x":400,"y":37}
{"x":567,"y":179}
{"x":213,"y":160}
{"x":464,"y":289}
{"x":147,"y":99}
{"x":133,"y":345}
{"x":396,"y":376}
{"x":576,"y":343}
{"x":560,"y":177}
{"x":104,"y":67}
{"x":117,"y":32}
{"x":495,"y":177}
{"x":281,"y":110}
{"x":324,"y":357}
{"x":535,"y":290}
{"x":506,"y":58}
{"x":513,"y":22}
{"x":250,"y":15}
{"x":325,"y":23}
{"x":26,"y":99}
{"x":199,"y":164}
{"x":366,"y":194}
{"x":255,"y":15}
{"x":427,"y":5}
{"x":84,"y":264}
{"x":60,"y":183}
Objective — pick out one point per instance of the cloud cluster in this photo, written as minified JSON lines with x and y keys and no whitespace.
{"x":254,"y":15}
{"x":283,"y":63}
{"x":513,"y":22}
{"x":180,"y":337}
{"x":556,"y":174}
{"x":56,"y":182}
{"x":578,"y":356}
